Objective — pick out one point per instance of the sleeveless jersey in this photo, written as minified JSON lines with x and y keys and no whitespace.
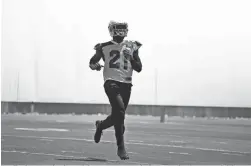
{"x":117,"y":64}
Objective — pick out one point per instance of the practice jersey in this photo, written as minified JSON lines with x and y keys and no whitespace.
{"x":117,"y":65}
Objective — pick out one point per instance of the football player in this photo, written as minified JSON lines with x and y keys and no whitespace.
{"x":120,"y":59}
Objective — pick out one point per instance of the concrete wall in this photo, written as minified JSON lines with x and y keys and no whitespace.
{"x":183,"y":111}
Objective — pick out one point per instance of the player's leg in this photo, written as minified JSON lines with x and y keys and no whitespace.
{"x":125,"y":91}
{"x":118,"y":118}
{"x":118,"y":114}
{"x":107,"y":123}
{"x":102,"y":125}
{"x":111,"y":89}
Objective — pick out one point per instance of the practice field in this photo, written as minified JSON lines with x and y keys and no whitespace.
{"x":68,"y":139}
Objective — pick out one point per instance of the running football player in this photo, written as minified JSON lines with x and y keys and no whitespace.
{"x":120,"y":59}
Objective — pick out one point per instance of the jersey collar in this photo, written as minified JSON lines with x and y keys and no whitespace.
{"x":116,"y":42}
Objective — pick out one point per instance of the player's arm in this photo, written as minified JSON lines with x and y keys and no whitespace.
{"x":93,"y":64}
{"x":136,"y":62}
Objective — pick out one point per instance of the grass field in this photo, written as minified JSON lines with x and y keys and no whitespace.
{"x":68,"y":139}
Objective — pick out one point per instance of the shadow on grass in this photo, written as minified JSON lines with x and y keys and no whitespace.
{"x":86,"y":159}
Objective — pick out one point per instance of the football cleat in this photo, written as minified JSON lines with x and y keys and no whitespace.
{"x":122,"y":153}
{"x":98,"y":132}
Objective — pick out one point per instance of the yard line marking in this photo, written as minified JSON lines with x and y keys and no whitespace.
{"x":233,"y":154}
{"x":219,"y":142}
{"x":50,"y":140}
{"x":42,"y":129}
{"x":132,"y":152}
{"x":132,"y":143}
{"x":135,"y":141}
{"x":178,"y":141}
{"x":71,"y":157}
{"x":65,"y":151}
{"x":179,"y":153}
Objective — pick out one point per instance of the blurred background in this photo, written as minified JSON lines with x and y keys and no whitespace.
{"x":194,"y":53}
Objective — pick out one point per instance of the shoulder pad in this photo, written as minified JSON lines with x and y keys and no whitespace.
{"x":136,"y":45}
{"x":98,"y":47}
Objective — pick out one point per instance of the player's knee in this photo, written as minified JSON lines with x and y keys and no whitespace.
{"x":121,"y":115}
{"x":118,"y":117}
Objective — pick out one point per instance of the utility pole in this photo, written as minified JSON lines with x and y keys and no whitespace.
{"x":18,"y":86}
{"x":156,"y":86}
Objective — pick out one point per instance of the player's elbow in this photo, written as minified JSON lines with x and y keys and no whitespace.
{"x":137,"y":66}
{"x":138,"y":69}
{"x":95,"y":59}
{"x":92,"y":61}
{"x":92,"y":64}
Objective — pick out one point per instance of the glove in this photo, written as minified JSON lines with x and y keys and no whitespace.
{"x":128,"y":52}
{"x":96,"y":66}
{"x":129,"y":48}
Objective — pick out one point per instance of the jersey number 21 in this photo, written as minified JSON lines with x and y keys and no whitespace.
{"x":116,"y":55}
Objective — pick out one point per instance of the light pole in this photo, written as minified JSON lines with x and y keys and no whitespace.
{"x":156,"y":86}
{"x":18,"y":86}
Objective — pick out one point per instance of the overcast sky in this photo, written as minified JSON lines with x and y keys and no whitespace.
{"x":193,"y":53}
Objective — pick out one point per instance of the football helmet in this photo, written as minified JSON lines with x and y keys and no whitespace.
{"x":118,"y":28}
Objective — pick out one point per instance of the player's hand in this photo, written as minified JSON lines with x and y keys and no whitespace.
{"x":128,"y":51}
{"x":96,"y":66}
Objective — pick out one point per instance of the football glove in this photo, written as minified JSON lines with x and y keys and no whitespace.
{"x":127,"y":51}
{"x":96,"y":66}
{"x":129,"y":48}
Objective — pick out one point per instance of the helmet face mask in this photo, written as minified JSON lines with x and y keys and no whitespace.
{"x":118,"y":29}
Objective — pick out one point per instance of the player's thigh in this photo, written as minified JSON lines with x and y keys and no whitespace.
{"x":126,"y":93}
{"x":112,"y":90}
